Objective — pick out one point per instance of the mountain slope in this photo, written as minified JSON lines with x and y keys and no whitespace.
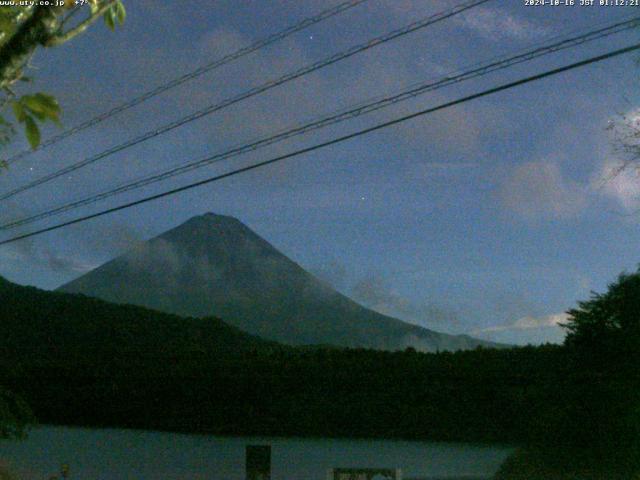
{"x":215,"y":265}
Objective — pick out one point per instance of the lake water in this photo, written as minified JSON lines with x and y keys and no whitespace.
{"x":112,"y":454}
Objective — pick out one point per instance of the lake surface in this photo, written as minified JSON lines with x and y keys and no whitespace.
{"x":112,"y":454}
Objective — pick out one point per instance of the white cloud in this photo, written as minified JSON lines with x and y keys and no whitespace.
{"x":539,"y":189}
{"x":527,"y":330}
{"x":498,"y":25}
{"x":620,"y":184}
{"x":528,"y":323}
{"x":618,"y":177}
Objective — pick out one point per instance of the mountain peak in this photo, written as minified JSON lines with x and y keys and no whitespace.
{"x":215,"y":217}
{"x":216,"y":237}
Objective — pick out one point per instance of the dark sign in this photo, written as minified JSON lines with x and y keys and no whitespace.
{"x":258,"y":461}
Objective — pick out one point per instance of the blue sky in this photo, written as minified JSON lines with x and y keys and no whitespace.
{"x":489,"y":218}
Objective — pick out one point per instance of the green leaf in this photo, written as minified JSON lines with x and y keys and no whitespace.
{"x":121,"y":12}
{"x":43,"y":106}
{"x":18,"y":111}
{"x":109,"y":19}
{"x":6,"y":131}
{"x":94,"y":6}
{"x":39,"y":115}
{"x":51,"y":107}
{"x":115,"y":15}
{"x":48,"y":101}
{"x":31,"y":102}
{"x":32,"y":131}
{"x":4,"y":165}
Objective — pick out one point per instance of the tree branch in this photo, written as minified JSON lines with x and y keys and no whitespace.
{"x":80,"y":28}
{"x":34,"y":31}
{"x":19,"y":18}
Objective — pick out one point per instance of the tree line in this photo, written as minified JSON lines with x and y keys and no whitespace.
{"x":81,"y":361}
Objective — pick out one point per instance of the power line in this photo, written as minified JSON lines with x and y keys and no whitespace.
{"x":271,"y":39}
{"x":353,"y":112}
{"x":334,"y":141}
{"x":250,"y":93}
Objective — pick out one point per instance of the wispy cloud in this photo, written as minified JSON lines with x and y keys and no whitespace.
{"x":498,"y":25}
{"x":527,"y":330}
{"x":618,"y":176}
{"x":96,"y":242}
{"x":25,"y":251}
{"x":528,"y":323}
{"x":373,"y":292}
{"x":620,"y":183}
{"x":540,"y":190}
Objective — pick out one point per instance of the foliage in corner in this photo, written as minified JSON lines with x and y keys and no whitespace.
{"x":22,"y":30}
{"x":29,"y":109}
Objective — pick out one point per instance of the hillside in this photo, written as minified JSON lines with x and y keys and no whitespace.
{"x":51,"y":327}
{"x":215,"y":265}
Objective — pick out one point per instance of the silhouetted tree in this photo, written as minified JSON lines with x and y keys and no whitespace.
{"x":604,"y":334}
{"x":609,"y":323}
